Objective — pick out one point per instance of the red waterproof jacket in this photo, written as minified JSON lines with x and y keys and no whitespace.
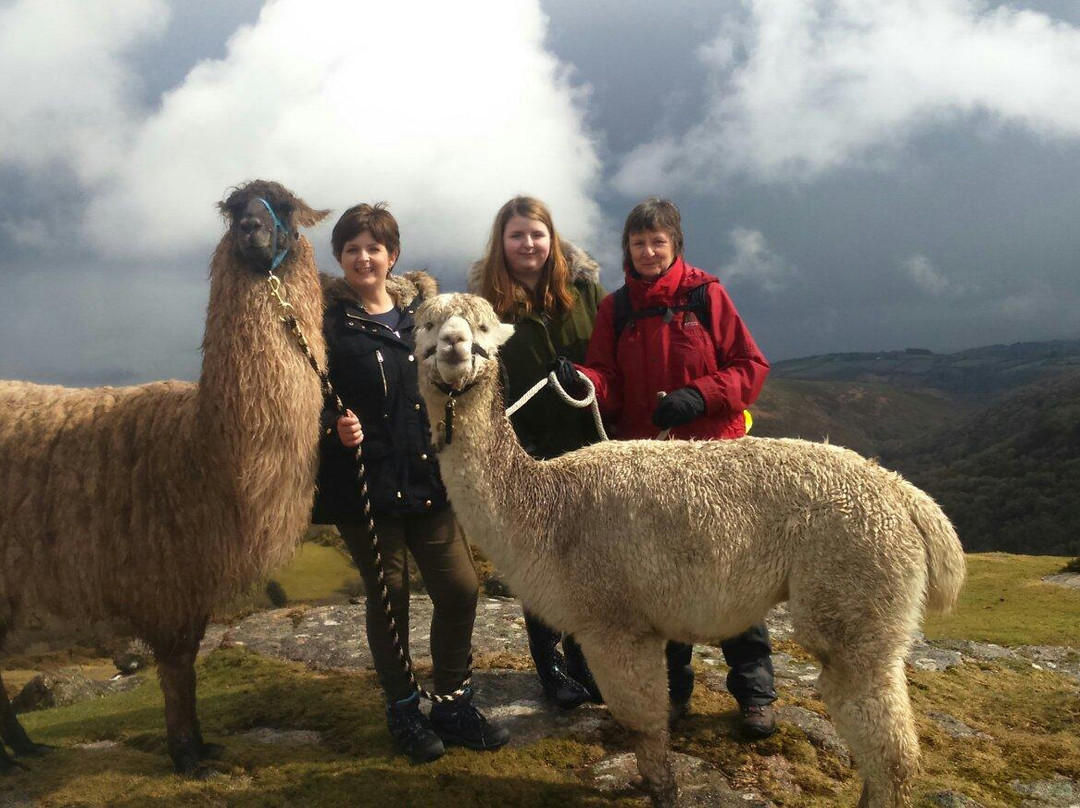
{"x":719,"y":358}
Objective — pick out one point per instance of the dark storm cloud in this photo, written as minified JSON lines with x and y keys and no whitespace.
{"x":960,"y":232}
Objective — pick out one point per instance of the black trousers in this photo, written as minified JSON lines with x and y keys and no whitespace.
{"x":750,"y":679}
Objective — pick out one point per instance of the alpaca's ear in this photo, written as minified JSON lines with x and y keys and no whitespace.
{"x":502,"y":333}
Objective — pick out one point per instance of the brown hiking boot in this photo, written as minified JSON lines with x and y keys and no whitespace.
{"x":758,"y":720}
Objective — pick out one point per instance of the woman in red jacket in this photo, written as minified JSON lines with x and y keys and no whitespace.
{"x":670,"y":357}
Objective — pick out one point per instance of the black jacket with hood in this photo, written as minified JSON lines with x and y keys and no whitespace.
{"x":374,"y":371}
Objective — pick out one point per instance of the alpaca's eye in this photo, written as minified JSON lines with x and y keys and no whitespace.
{"x":428,"y":326}
{"x":484,"y":328}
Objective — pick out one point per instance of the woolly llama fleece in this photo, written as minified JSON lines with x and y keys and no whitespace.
{"x":154,"y":503}
{"x":630,"y":544}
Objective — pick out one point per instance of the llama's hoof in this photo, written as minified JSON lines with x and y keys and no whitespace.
{"x":187,"y":763}
{"x":9,"y":766}
{"x":211,"y":751}
{"x":665,"y":798}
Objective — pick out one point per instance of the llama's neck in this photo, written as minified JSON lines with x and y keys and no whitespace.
{"x":499,"y":493}
{"x":257,"y":416}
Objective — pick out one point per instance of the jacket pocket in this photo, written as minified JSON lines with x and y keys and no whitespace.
{"x":691,"y":355}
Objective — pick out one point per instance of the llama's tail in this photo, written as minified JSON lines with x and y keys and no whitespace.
{"x":946,"y":568}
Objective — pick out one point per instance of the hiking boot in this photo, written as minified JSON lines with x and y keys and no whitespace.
{"x":566,"y":692}
{"x":758,"y":720}
{"x":551,"y":666}
{"x":412,"y":731}
{"x":459,"y":723}
{"x":578,"y":669}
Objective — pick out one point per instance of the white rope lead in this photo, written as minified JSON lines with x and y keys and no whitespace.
{"x":579,"y":403}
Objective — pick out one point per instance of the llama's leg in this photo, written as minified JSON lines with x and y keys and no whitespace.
{"x":12,"y":731}
{"x":176,"y":672}
{"x":872,"y":712}
{"x":633,"y":678}
{"x":7,"y":764}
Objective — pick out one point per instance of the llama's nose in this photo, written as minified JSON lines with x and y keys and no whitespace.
{"x":249,"y":225}
{"x":453,"y":338}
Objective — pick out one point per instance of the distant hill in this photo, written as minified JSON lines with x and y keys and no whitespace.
{"x":993,"y":433}
{"x":977,"y":372}
{"x":1009,"y":476}
{"x":871,"y":418}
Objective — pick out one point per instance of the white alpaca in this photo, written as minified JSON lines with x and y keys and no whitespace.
{"x":630,"y":544}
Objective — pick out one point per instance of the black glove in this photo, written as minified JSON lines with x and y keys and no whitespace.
{"x":569,"y":378}
{"x":678,"y":407}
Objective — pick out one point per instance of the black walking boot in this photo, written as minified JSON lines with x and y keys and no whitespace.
{"x":412,"y":731}
{"x":459,"y":723}
{"x":558,"y":686}
{"x":578,"y":669}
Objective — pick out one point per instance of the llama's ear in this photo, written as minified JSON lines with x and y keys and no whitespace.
{"x":306,"y":217}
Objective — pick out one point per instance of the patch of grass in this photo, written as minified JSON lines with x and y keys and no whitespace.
{"x":1005,"y":602}
{"x":1031,"y":720}
{"x":318,"y":573}
{"x":356,"y":765}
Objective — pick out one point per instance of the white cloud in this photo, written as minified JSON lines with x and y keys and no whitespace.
{"x":415,"y":103}
{"x":444,"y":110}
{"x":926,"y":276}
{"x":66,"y":95}
{"x":805,"y":86}
{"x":756,"y":262}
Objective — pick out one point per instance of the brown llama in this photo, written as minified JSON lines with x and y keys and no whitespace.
{"x":155,"y":502}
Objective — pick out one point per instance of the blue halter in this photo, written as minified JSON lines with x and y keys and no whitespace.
{"x":278,"y":227}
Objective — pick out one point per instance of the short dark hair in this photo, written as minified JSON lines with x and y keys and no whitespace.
{"x":375,"y":219}
{"x":653,"y":214}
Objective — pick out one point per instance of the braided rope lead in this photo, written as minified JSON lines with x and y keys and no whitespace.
{"x":404,"y":659}
{"x":579,"y":403}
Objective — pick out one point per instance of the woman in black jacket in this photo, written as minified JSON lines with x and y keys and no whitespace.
{"x":369,"y":335}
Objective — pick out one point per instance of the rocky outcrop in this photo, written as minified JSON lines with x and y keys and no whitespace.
{"x":67,"y":686}
{"x":330,"y":637}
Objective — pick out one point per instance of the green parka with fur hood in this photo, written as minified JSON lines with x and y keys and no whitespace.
{"x":546,"y":426}
{"x":374,"y":371}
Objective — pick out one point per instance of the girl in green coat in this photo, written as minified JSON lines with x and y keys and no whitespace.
{"x":549,"y":289}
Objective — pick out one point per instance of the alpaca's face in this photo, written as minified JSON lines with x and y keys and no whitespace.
{"x":456,"y":336}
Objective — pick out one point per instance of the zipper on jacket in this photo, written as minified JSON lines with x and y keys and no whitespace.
{"x":385,"y":388}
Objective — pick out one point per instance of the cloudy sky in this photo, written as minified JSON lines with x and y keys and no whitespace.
{"x":861,"y":174}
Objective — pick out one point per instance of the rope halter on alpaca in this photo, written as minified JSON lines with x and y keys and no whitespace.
{"x":579,"y":403}
{"x":278,"y":292}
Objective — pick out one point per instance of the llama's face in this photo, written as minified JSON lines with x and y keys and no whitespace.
{"x":456,"y":336}
{"x":254,"y":232}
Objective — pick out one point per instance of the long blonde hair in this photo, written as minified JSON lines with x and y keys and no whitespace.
{"x":508,"y":295}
